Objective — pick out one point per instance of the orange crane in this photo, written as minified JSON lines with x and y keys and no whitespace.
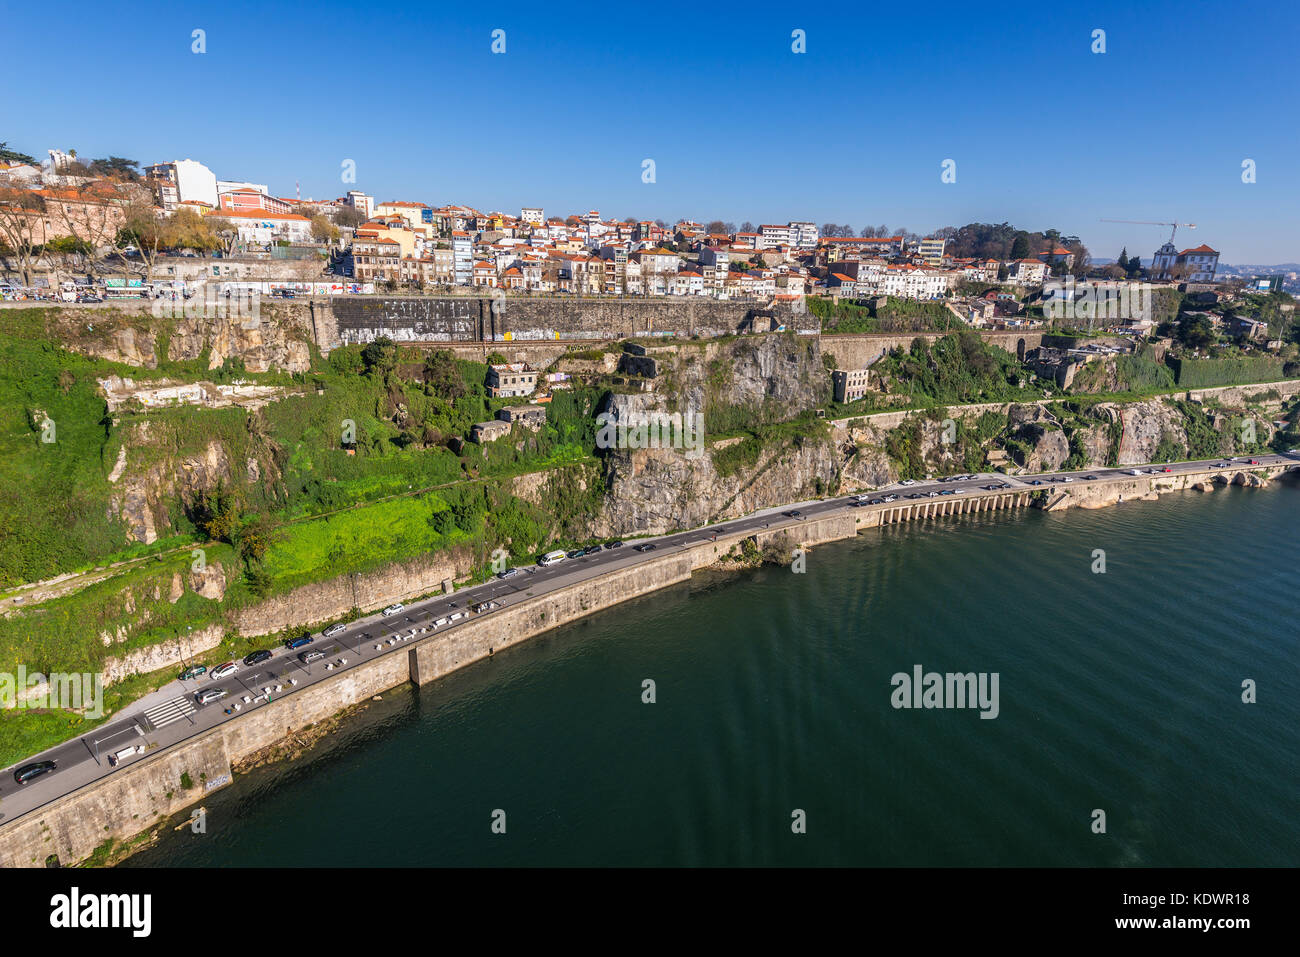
{"x":1147,"y":222}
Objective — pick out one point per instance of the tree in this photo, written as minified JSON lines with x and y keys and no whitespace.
{"x":1020,"y":246}
{"x":186,"y":229}
{"x":217,"y":514}
{"x":348,"y":217}
{"x":91,"y":213}
{"x":747,"y":227}
{"x":116,"y":167}
{"x":254,"y":537}
{"x":443,"y":377}
{"x":22,"y":227}
{"x":226,"y":232}
{"x":1195,"y":332}
{"x":1122,"y":262}
{"x":322,"y":230}
{"x":145,"y":230}
{"x":715,"y":226}
{"x":13,"y":156}
{"x":380,"y":357}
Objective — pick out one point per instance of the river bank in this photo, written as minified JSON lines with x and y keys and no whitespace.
{"x":125,"y":802}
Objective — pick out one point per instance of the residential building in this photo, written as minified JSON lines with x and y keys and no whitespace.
{"x":265,"y":227}
{"x":1198,"y":264}
{"x":850,"y":384}
{"x":489,"y":431}
{"x":532,"y":415}
{"x":516,"y":378}
{"x":931,"y":250}
{"x":183,"y":181}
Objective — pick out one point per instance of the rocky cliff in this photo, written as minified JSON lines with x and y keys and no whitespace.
{"x":144,"y":333}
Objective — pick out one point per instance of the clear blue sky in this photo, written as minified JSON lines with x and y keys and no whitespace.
{"x":1043,"y":131}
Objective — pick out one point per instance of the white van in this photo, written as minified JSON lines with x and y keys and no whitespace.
{"x":551,"y":558}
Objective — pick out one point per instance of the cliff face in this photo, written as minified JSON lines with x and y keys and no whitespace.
{"x":652,"y":491}
{"x":277,"y":337}
{"x":746,"y":385}
{"x":157,"y":470}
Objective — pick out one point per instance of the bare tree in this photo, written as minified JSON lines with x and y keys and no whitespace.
{"x":145,"y":230}
{"x":91,"y":213}
{"x":22,"y":227}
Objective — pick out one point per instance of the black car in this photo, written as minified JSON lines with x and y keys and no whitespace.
{"x":793,"y":513}
{"x":591,"y":550}
{"x":613,"y":544}
{"x":577,"y":553}
{"x":34,"y":770}
{"x":292,"y":643}
{"x":257,"y":657}
{"x":646,"y":547}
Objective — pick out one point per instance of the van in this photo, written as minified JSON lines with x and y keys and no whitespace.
{"x":552,"y":558}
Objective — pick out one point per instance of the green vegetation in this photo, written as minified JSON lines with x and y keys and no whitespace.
{"x":956,"y":369}
{"x":1205,"y":373}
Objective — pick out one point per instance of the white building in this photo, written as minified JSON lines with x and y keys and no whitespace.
{"x":533,"y":215}
{"x":183,"y":181}
{"x":1190,"y":265}
{"x":804,"y":235}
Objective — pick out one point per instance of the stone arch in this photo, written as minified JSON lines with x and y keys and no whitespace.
{"x":1020,"y":348}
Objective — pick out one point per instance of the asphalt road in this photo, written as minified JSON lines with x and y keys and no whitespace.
{"x":85,"y":759}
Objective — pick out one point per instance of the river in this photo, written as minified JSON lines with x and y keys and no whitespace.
{"x":1119,"y":691}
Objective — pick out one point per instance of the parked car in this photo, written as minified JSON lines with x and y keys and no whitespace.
{"x":34,"y":770}
{"x":293,"y":644}
{"x":793,"y":513}
{"x":591,"y":550}
{"x":314,"y":654}
{"x":613,"y":544}
{"x":645,"y":547}
{"x":334,"y":629}
{"x":193,"y":671}
{"x":210,"y":695}
{"x":508,"y":573}
{"x":393,"y":609}
{"x":224,"y":671}
{"x":577,"y":553}
{"x":257,"y":657}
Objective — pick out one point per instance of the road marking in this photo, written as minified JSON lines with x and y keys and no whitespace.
{"x":167,"y":712}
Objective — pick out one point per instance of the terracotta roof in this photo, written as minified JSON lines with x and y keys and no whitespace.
{"x":255,"y":214}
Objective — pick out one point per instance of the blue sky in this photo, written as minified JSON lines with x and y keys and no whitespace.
{"x":1043,"y":131}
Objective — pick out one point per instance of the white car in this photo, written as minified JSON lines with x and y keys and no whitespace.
{"x":394,"y":608}
{"x":908,"y":482}
{"x":224,"y":671}
{"x":333,"y":630}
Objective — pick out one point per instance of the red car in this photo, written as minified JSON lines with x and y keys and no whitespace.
{"x":1253,"y":462}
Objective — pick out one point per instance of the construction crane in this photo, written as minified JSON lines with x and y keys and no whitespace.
{"x":1147,"y":222}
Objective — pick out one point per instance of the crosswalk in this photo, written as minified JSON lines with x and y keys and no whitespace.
{"x":167,"y":712}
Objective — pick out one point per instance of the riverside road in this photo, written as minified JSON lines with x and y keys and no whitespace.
{"x":172,"y":715}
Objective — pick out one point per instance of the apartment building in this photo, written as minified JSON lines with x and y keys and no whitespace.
{"x":850,"y":384}
{"x":512,"y":379}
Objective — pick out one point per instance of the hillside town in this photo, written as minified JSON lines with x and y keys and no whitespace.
{"x":106,"y":228}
